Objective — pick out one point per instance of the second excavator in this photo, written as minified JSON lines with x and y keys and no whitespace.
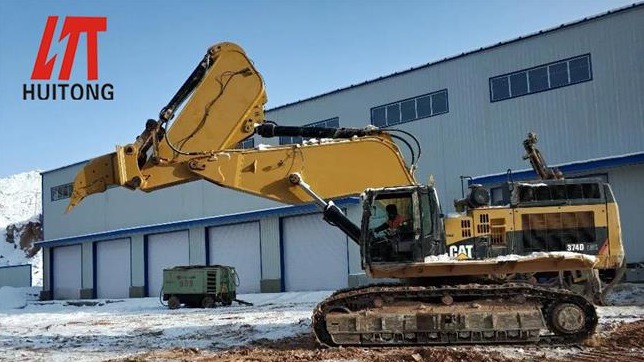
{"x":522,"y":271}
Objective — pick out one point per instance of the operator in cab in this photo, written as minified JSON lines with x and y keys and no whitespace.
{"x":394,"y":220}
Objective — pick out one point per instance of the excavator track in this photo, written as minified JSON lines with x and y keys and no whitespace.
{"x":400,"y":315}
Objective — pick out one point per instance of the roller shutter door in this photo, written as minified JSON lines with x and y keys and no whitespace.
{"x":67,"y":272}
{"x":113,"y":269}
{"x":238,"y":246}
{"x":315,"y":254}
{"x":165,"y":251}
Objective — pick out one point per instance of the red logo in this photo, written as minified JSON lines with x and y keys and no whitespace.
{"x":73,"y":27}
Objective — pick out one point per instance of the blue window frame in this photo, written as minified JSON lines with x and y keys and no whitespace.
{"x":246,"y":144}
{"x":411,"y":109}
{"x":541,"y":78}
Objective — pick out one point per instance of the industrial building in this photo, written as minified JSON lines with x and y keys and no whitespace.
{"x":580,"y":86}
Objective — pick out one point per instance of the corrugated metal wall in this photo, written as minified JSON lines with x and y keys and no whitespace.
{"x":628,"y":186}
{"x":119,"y":207}
{"x":270,"y":247}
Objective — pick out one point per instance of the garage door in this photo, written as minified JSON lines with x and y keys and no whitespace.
{"x":67,"y":272}
{"x":165,"y":251}
{"x":315,"y":254}
{"x":238,"y":246}
{"x":113,"y":269}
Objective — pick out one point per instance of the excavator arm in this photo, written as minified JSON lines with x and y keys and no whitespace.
{"x":537,"y":161}
{"x":224,"y":99}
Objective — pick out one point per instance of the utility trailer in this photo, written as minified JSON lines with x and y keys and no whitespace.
{"x":199,"y":286}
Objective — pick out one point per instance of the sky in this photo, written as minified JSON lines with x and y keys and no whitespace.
{"x":301,"y":48}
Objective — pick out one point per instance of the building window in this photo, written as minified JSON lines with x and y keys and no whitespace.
{"x":378,"y":117}
{"x":424,"y":106}
{"x":327,"y":123}
{"x":579,"y":69}
{"x":500,"y":87}
{"x":519,"y":84}
{"x":538,"y":79}
{"x":246,"y":144}
{"x":61,"y":192}
{"x":408,"y":110}
{"x":541,"y":78}
{"x":411,"y":109}
{"x":439,"y":103}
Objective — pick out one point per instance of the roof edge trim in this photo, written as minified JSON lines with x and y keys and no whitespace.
{"x":566,"y":168}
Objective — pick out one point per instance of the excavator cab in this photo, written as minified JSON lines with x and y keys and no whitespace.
{"x":401,"y":225}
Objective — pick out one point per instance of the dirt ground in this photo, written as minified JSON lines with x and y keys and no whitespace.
{"x":625,"y":342}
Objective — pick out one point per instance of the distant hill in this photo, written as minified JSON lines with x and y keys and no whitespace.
{"x":20,"y":222}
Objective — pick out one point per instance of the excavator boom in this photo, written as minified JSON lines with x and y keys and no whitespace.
{"x":225,"y":98}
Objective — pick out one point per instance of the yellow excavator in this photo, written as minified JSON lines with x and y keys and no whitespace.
{"x":516,"y":272}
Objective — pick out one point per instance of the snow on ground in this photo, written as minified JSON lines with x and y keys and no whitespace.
{"x":96,"y":330}
{"x":62,"y":331}
{"x":626,"y":294}
{"x":20,"y":202}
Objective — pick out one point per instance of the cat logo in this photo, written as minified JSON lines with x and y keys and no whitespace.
{"x":460,"y":252}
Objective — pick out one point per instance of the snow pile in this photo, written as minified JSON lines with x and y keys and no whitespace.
{"x":550,"y":254}
{"x":445,"y":258}
{"x":20,"y":197}
{"x":315,"y":141}
{"x":12,"y":298}
{"x":626,"y":294}
{"x":20,"y":203}
{"x":540,"y":184}
{"x":438,"y":258}
{"x":17,"y":298}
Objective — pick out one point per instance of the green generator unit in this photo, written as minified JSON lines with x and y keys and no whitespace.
{"x":199,"y":286}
